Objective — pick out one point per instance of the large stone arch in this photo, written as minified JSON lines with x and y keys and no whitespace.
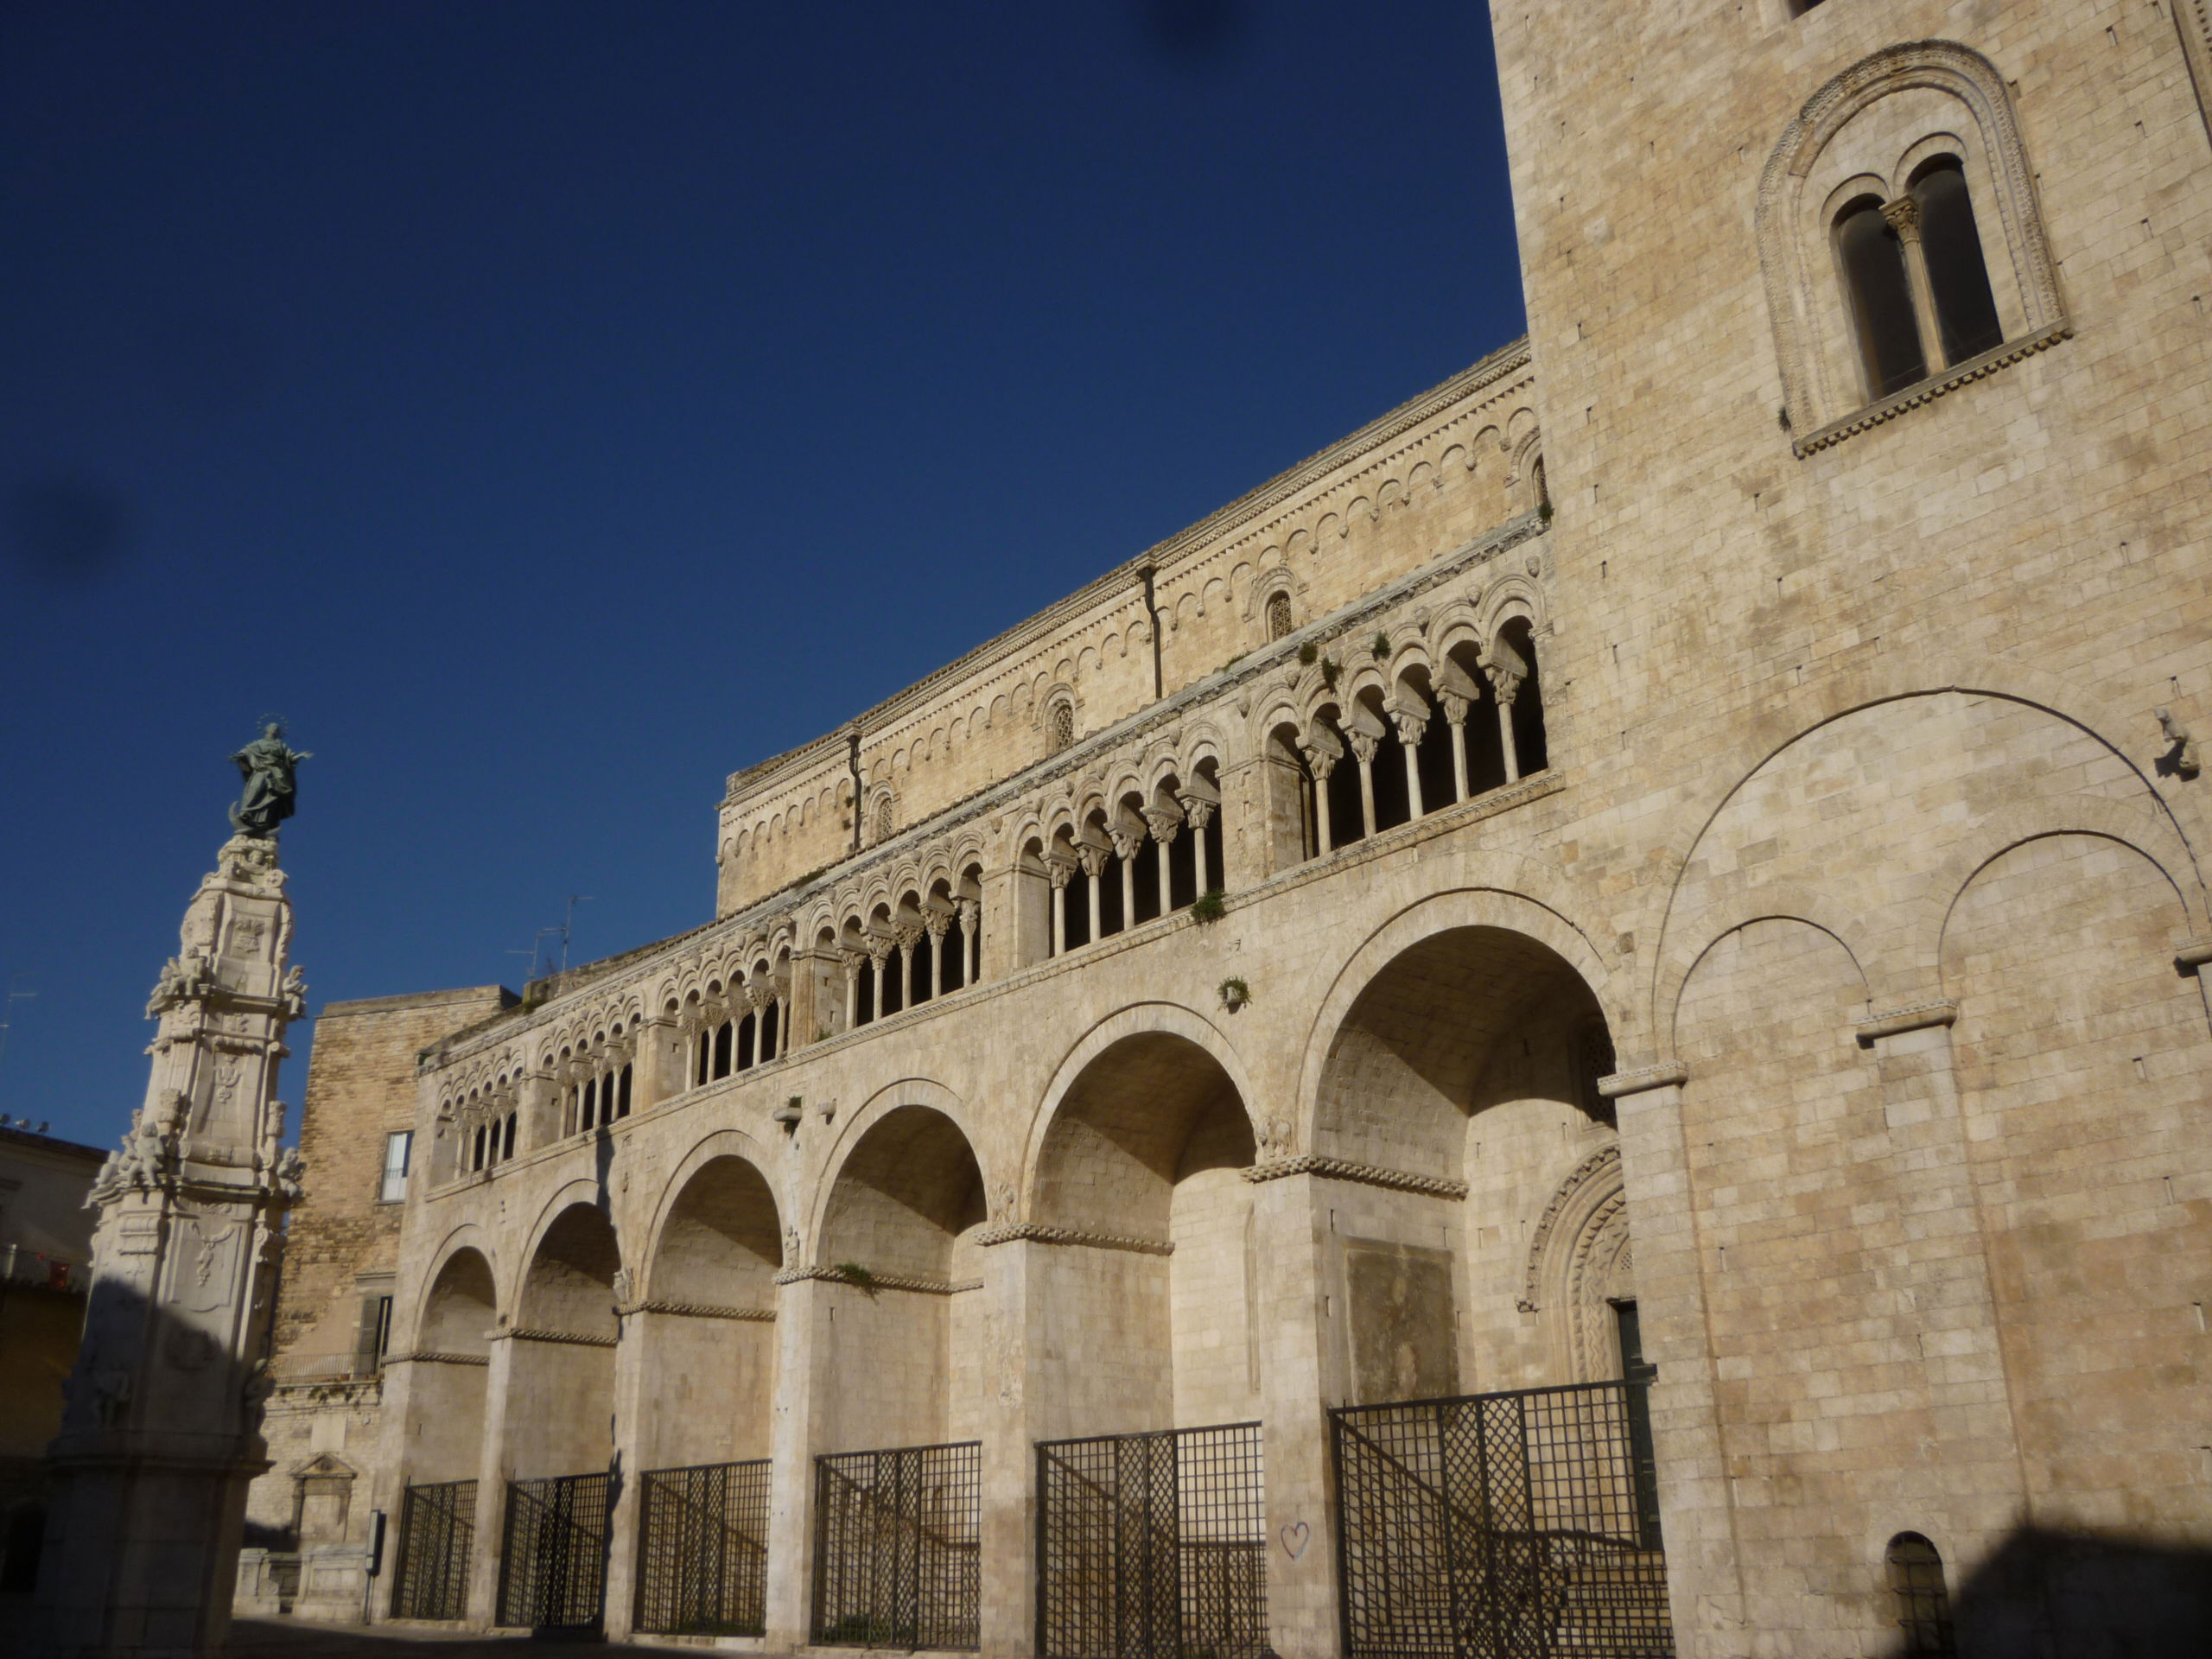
{"x":855,"y":1128}
{"x":708,"y":1148}
{"x":1499,"y":911}
{"x":1815,"y":828}
{"x":706,"y":1324}
{"x":1166,"y":1020}
{"x":560,"y":1404}
{"x":449,"y":1358}
{"x":1142,"y":1265}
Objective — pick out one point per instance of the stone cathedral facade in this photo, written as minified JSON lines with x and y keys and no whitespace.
{"x":1574,"y":1027}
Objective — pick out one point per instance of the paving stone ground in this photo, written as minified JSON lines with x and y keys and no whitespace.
{"x":284,"y":1638}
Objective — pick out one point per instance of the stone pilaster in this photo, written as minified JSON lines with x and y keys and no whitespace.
{"x":163,"y":1433}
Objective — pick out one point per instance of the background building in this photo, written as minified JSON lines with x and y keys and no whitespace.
{"x":46,"y":1246}
{"x":1664,"y":872}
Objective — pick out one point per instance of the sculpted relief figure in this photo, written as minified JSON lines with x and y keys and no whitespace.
{"x":267,"y":765}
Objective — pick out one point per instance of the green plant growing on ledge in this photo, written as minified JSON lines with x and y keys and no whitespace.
{"x":1381,"y":647}
{"x":1234,"y":993}
{"x":855,"y":1275}
{"x":1208,"y":907}
{"x":1307,"y":652}
{"x":1544,"y":511}
{"x":1329,"y":672}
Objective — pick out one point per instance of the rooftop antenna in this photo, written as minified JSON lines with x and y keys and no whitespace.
{"x":568,"y":923}
{"x":8,"y":1006}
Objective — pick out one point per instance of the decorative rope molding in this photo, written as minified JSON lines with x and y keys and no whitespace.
{"x":574,"y":1338}
{"x":2193,"y":956}
{"x":1338,"y":1169}
{"x":426,"y":1356}
{"x":1592,"y":1171}
{"x":1927,"y":392}
{"x":913,"y":1281}
{"x":1895,"y":1022}
{"x":1659,"y":1075}
{"x":1008,"y":1232}
{"x":701,"y":1311}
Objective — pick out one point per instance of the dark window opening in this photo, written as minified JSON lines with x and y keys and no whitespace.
{"x":918,"y":973}
{"x":1075,"y":909}
{"x":1145,"y":870}
{"x":725,"y":1040}
{"x":864,"y":994}
{"x":1916,"y":1571}
{"x":1278,"y":616}
{"x":1393,"y":801}
{"x":1432,"y":761}
{"x":1966,"y":311}
{"x":1881,"y":298}
{"x":1110,"y":920}
{"x":1529,"y":748}
{"x":1347,"y":822}
{"x":1183,"y":865}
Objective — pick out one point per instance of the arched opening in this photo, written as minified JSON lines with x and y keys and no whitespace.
{"x":1872,"y":258}
{"x":904,"y":1327}
{"x":1924,"y":1600}
{"x":1434,"y":769}
{"x":1958,"y":276}
{"x":1072,"y":894}
{"x":560,"y":1410}
{"x":452,"y":1348}
{"x":708,"y":1326}
{"x":1482,"y":741}
{"x":1344,"y":806}
{"x":1518,"y":658}
{"x":1465,"y":1059}
{"x":1143,"y":1165}
{"x":1279,"y":623}
{"x":1291,"y":821}
{"x":1392,"y":786}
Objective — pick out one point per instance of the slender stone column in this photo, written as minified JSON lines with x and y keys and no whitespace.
{"x":934,"y":924}
{"x":1322,"y":764}
{"x":1128,"y":841}
{"x":1506,"y":671}
{"x":1903,"y":215}
{"x":1411,"y":729}
{"x":1059,"y":871}
{"x":1164,"y":821}
{"x":910,"y":937}
{"x":971,"y":941}
{"x":162,"y":1428}
{"x":1200,"y":800}
{"x":1455,"y":715}
{"x":851,"y":961}
{"x":1094,"y":855}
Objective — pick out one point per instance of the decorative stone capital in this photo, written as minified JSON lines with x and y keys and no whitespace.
{"x":1060,"y":868}
{"x":1903,"y":215}
{"x":1455,"y":709}
{"x":1505,"y":668}
{"x":1164,"y":821}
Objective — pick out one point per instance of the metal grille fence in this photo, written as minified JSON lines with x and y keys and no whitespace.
{"x":430,"y":1571}
{"x":702,"y":1550}
{"x":1153,"y":1546}
{"x":553,"y":1565}
{"x":897,"y":1542}
{"x":1508,"y":1526}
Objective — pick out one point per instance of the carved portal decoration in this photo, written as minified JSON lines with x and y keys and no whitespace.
{"x":1580,"y":1264}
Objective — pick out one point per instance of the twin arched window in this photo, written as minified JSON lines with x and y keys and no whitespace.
{"x":1918,"y":285}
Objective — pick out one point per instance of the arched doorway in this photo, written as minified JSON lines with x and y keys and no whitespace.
{"x":560,"y":1427}
{"x":1152,"y":1519}
{"x":446,"y":1376}
{"x":1477,"y":1240}
{"x":898,"y":1344}
{"x":706,"y":1335}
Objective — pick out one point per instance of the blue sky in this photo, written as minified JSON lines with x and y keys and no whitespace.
{"x":552,"y":408}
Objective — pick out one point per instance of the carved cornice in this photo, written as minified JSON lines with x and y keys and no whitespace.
{"x":574,"y":1338}
{"x":1662,"y":1075}
{"x":1010,"y":1232}
{"x":702,"y":1311}
{"x":1340,"y":1169}
{"x":1895,"y":1022}
{"x":429,"y":1357}
{"x":1928,"y":390}
{"x":875,"y":1281}
{"x":1125,"y":579}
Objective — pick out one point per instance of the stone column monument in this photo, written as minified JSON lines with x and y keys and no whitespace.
{"x":162,"y":1428}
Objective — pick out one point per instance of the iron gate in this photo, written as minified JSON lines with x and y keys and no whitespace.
{"x":897,"y":1546}
{"x":1501,"y":1526}
{"x":553,"y":1565}
{"x":1152,"y":1545}
{"x":430,"y":1568}
{"x":702,"y":1550}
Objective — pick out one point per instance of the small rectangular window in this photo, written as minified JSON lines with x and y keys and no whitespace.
{"x":397,"y":1148}
{"x":373,"y":1341}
